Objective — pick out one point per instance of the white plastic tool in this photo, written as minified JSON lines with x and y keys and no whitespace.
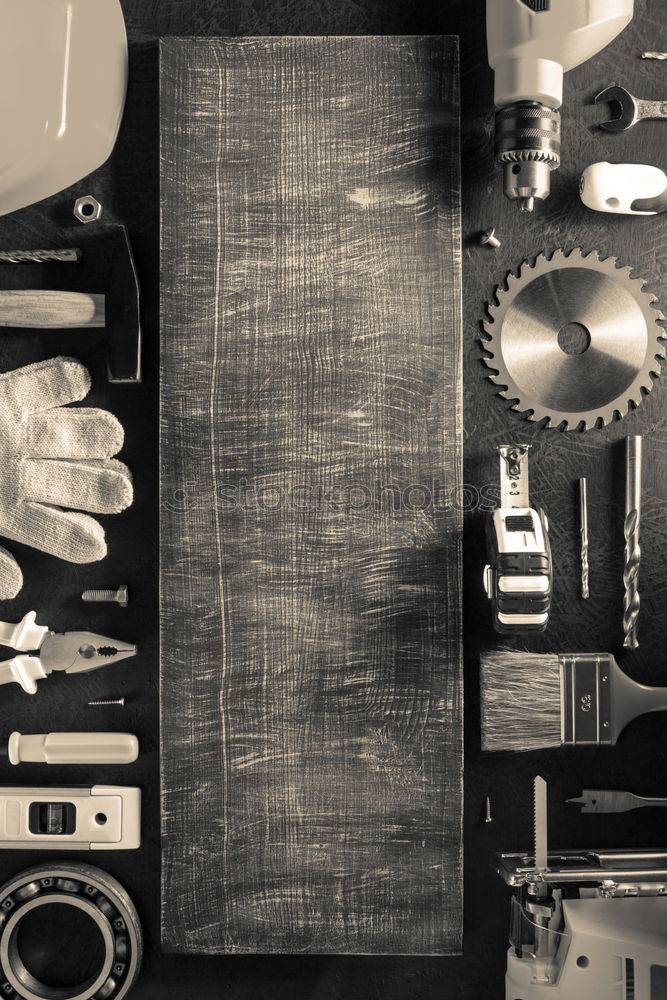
{"x":73,"y":748}
{"x":100,"y":818}
{"x":619,"y":187}
{"x":63,"y":77}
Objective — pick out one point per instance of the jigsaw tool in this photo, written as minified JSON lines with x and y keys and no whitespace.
{"x":585,"y":923}
{"x":531,"y":43}
{"x":42,"y":651}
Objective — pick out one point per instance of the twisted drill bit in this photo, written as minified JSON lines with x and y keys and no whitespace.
{"x":39,"y":256}
{"x":583,"y":531}
{"x":633,"y":481}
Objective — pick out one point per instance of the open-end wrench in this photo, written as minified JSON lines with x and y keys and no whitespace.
{"x":630,"y":109}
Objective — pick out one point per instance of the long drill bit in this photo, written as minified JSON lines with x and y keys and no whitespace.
{"x":71,"y":255}
{"x":583,"y":531}
{"x":633,"y":486}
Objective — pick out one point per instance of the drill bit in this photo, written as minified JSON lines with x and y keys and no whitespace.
{"x":39,"y":256}
{"x":633,"y":483}
{"x":583,"y":531}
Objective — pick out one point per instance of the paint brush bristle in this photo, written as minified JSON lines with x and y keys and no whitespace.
{"x":520,"y":700}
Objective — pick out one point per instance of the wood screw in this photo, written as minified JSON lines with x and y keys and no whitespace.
{"x":107,"y":701}
{"x":119,"y":596}
{"x":487,"y":811}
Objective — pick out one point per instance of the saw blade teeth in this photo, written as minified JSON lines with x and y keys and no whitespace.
{"x":533,"y":268}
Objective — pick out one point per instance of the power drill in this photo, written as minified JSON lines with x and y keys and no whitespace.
{"x":531,"y":44}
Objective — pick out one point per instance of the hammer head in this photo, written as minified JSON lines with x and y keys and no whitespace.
{"x":123,"y":318}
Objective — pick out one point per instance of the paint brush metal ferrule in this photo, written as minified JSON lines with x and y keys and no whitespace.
{"x":586,"y":700}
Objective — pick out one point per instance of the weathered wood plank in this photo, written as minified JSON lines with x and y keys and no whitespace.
{"x":310,"y":579}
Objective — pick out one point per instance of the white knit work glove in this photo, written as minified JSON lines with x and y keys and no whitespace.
{"x":52,"y":457}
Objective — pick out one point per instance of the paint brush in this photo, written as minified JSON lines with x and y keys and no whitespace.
{"x":531,"y":701}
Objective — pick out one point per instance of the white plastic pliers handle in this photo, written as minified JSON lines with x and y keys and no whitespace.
{"x":42,"y":651}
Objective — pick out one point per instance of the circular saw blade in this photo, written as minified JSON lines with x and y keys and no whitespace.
{"x":590,"y":384}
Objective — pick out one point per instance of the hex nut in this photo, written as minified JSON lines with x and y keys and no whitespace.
{"x":87,"y":209}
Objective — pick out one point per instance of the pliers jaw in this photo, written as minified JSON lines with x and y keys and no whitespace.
{"x":81,"y":652}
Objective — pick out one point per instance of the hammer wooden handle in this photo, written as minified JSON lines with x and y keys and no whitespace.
{"x":51,"y":310}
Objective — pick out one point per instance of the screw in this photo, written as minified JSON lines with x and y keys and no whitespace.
{"x":107,"y":701}
{"x":487,"y":811}
{"x":489,"y":239}
{"x":119,"y":596}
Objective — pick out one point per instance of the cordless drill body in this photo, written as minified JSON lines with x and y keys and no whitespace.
{"x":531,"y":43}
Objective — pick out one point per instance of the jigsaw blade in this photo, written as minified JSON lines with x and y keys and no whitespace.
{"x":540,"y":811}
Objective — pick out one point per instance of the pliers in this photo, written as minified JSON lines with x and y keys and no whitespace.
{"x":46,"y":651}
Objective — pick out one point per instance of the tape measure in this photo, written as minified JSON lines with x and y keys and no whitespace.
{"x":518,"y":575}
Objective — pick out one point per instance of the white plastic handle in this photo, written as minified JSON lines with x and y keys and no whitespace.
{"x":24,"y":670}
{"x":25,"y":635}
{"x":613,"y":187}
{"x":73,"y":748}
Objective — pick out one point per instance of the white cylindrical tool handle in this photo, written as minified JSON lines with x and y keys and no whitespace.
{"x":73,"y":748}
{"x":46,"y":310}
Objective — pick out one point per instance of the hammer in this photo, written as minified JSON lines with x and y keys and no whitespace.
{"x":52,"y":310}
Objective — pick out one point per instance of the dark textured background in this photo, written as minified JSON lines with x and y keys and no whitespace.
{"x":128,"y":187}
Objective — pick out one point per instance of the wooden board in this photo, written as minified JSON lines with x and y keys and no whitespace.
{"x":311,"y":726}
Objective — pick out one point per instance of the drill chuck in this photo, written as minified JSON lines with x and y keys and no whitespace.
{"x":528,"y":149}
